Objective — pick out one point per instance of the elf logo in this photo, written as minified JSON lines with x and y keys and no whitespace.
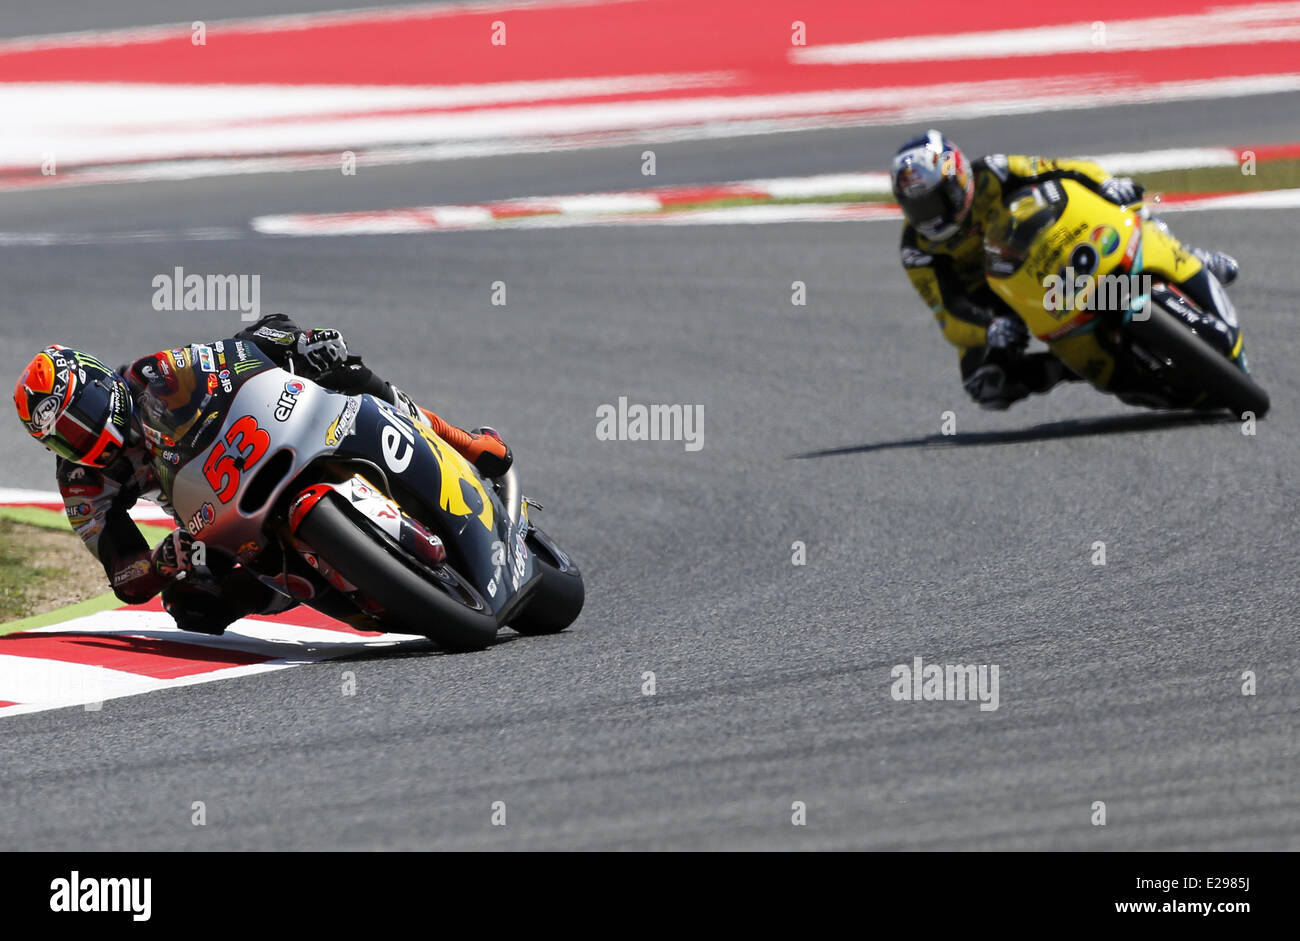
{"x":76,"y":894}
{"x":288,"y":399}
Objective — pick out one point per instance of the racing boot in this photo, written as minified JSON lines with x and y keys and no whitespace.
{"x":1223,"y":266}
{"x":482,"y":447}
{"x":1000,"y":380}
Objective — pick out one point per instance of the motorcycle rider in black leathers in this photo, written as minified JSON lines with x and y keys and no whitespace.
{"x":90,"y":416}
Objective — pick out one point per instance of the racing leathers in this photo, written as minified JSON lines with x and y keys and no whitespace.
{"x":201,"y":598}
{"x":990,"y":338}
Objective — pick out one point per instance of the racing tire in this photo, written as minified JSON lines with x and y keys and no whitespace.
{"x":411,"y":603}
{"x":557,"y":600}
{"x":1224,"y":384}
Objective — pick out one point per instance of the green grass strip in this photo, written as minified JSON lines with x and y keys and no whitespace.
{"x":730,"y":202}
{"x":14,"y":572}
{"x":35,"y":516}
{"x":105,"y":602}
{"x":1277,"y":175}
{"x":53,"y":519}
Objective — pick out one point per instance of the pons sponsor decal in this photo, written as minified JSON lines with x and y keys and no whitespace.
{"x":75,"y":894}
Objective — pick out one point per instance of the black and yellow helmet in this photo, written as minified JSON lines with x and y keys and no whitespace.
{"x":74,"y":405}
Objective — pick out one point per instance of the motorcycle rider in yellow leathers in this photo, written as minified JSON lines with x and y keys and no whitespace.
{"x":949,"y":202}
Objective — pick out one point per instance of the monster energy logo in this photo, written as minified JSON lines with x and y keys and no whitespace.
{"x":92,"y":361}
{"x":246,"y":366}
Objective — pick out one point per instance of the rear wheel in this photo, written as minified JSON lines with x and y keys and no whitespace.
{"x":366,"y":558}
{"x":557,"y":600}
{"x":1198,"y":366}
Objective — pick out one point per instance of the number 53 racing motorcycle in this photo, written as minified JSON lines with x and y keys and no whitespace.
{"x":1099,"y":284}
{"x":315,"y":490}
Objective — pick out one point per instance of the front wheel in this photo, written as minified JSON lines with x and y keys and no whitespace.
{"x":367,"y":559}
{"x":1199,"y":367}
{"x":557,"y":600}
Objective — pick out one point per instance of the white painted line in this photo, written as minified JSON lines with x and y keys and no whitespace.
{"x":733,"y":215}
{"x":31,"y":681}
{"x":10,"y":495}
{"x":37,"y":684}
{"x":1265,"y":199}
{"x":605,"y":203}
{"x":1190,"y":158}
{"x":826,"y":184}
{"x":115,"y":107}
{"x":143,"y":511}
{"x":764,"y":215}
{"x":643,"y":207}
{"x":758,"y":214}
{"x":83,"y":688}
{"x":267,"y":638}
{"x":455,"y":216}
{"x":182,"y":131}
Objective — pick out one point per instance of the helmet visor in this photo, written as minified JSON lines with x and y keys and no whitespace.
{"x":935,"y":214}
{"x":93,"y":427}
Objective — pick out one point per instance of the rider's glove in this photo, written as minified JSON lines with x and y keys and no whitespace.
{"x":324,"y":349}
{"x":351,"y":377}
{"x":171,"y":557}
{"x":488,"y":452}
{"x":1122,"y":191}
{"x":1007,"y":333}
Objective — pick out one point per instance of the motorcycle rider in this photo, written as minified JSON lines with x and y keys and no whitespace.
{"x":949,"y":203}
{"x":90,"y":417}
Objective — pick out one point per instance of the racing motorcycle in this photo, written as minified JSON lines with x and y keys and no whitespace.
{"x":1097,"y":282}
{"x":316,"y":491}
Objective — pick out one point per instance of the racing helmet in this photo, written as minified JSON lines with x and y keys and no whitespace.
{"x":933,"y":185}
{"x":74,"y":405}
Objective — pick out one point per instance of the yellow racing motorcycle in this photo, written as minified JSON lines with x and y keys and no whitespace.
{"x":1099,"y":284}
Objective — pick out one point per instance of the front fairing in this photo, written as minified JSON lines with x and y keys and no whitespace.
{"x":1092,"y":238}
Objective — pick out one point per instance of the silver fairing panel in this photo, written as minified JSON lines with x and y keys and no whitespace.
{"x":266,"y":418}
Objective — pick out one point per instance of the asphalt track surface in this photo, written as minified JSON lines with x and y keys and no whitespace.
{"x":1119,"y":683}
